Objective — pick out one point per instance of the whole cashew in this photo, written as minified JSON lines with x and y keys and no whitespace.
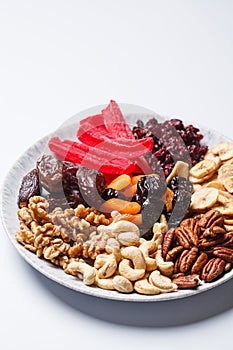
{"x":157,"y":231}
{"x":119,"y":227}
{"x":88,"y":272}
{"x":128,"y":272}
{"x":132,"y":255}
{"x":106,"y":265}
{"x":165,"y":267}
{"x":162,"y":282}
{"x":147,"y":248}
{"x":144,"y":287}
{"x":135,"y":255}
{"x":113,"y":246}
{"x":104,"y":283}
{"x":128,"y":238}
{"x":122,"y":284}
{"x":163,"y":223}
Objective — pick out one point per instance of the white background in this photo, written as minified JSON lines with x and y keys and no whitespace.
{"x":60,"y":57}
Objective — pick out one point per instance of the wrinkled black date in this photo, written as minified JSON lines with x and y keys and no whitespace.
{"x":50,"y":173}
{"x":29,"y":188}
{"x":91,"y":183}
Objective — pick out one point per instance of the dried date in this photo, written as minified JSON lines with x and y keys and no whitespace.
{"x":50,"y":173}
{"x":29,"y":188}
{"x":91,"y":184}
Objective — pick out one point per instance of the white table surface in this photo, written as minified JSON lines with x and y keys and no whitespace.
{"x":60,"y":57}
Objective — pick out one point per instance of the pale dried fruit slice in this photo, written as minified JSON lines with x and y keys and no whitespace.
{"x":203,"y":168}
{"x":224,"y":203}
{"x":223,"y":149}
{"x":224,"y":209}
{"x":215,"y":184}
{"x":228,"y":184}
{"x":196,"y":180}
{"x":203,"y":199}
{"x":228,"y":228}
{"x":228,"y":221}
{"x":225,"y":197}
{"x":225,"y":176}
{"x":225,"y":171}
{"x":209,"y":155}
{"x":180,"y":169}
{"x":196,"y":187}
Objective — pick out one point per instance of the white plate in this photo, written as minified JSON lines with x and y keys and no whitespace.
{"x":9,"y":209}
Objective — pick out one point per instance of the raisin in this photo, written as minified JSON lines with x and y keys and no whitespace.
{"x":29,"y":188}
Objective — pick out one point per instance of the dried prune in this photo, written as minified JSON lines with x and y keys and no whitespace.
{"x":151,"y":211}
{"x":29,"y":188}
{"x":149,"y":187}
{"x":182,"y":189}
{"x":50,"y":173}
{"x":181,"y":184}
{"x":150,"y":190}
{"x":109,"y":193}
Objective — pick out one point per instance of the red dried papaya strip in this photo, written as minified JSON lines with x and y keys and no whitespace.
{"x":73,"y":152}
{"x":115,"y":122}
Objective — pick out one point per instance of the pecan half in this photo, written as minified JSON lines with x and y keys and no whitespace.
{"x":186,"y":237}
{"x":229,"y":240}
{"x":167,"y":241}
{"x":213,"y":232}
{"x":224,"y":253}
{"x":211,"y":218}
{"x":174,"y":252}
{"x":188,"y":281}
{"x":208,"y":243}
{"x":191,"y":224}
{"x":199,"y":263}
{"x":213,"y":269}
{"x":187,"y":258}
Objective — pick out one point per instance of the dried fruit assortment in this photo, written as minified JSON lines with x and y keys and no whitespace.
{"x":146,"y":210}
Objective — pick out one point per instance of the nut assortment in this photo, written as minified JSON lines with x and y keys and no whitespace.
{"x":200,"y":248}
{"x":214,"y":189}
{"x":118,"y":227}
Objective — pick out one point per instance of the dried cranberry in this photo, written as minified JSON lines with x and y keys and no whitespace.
{"x":172,"y":141}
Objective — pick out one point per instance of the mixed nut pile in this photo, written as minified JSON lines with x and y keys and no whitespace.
{"x":147,"y":210}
